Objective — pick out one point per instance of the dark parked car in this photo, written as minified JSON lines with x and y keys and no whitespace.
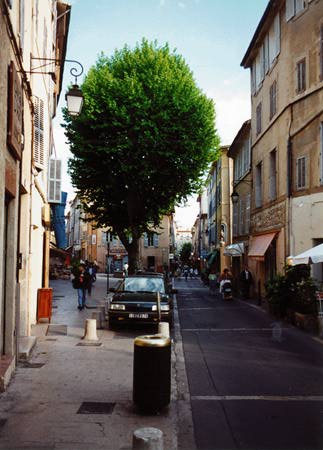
{"x":135,"y":300}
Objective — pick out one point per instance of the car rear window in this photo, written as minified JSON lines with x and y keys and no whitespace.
{"x":136,"y":284}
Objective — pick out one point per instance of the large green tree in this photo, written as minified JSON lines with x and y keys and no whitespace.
{"x":143,"y":141}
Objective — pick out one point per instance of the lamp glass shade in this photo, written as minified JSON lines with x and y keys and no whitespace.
{"x":234,"y":197}
{"x":74,"y":99}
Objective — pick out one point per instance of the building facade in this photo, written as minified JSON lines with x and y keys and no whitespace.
{"x":286,"y":64}
{"x":240,"y":152}
{"x":86,"y":242}
{"x":219,"y":189}
{"x":31,"y":34}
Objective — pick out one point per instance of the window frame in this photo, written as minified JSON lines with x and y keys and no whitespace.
{"x":301,"y":76}
{"x":258,"y":185}
{"x":258,"y":119}
{"x":273,"y":175}
{"x":273,"y":99}
{"x":301,"y":173}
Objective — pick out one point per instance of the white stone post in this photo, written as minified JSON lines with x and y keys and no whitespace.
{"x":90,"y":330}
{"x":147,"y":439}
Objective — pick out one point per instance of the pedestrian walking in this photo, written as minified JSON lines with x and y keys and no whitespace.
{"x":246,"y":281}
{"x":81,"y":282}
{"x":212,"y":281}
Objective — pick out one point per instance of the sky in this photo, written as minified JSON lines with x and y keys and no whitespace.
{"x":211,"y":35}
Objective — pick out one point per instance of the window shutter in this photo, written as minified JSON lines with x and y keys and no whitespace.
{"x":289,"y":9}
{"x":55,"y":181}
{"x":299,"y":4}
{"x":321,"y":154}
{"x":145,"y":240}
{"x":247,"y":216}
{"x":262,"y":62}
{"x":39,"y":157}
{"x":235,"y":219}
{"x":241,"y":215}
{"x":301,"y":169}
{"x":156,"y":240}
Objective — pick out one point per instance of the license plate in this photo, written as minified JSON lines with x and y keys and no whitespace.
{"x":227,"y":290}
{"x":138,"y":316}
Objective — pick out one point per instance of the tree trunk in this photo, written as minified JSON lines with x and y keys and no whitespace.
{"x":133,"y":256}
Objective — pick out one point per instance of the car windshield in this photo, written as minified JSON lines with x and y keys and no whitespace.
{"x":142,"y":284}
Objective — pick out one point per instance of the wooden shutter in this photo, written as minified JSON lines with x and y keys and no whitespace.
{"x":302,"y":172}
{"x":235,"y":219}
{"x":247,"y":215}
{"x":39,"y":157}
{"x":299,"y":5}
{"x":289,"y":9}
{"x":156,"y":240}
{"x":55,"y":181}
{"x":145,"y":240}
{"x":321,"y":154}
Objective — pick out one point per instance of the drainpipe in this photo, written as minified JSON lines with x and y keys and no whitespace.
{"x":290,"y":246}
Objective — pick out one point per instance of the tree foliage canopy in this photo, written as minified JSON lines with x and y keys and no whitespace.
{"x":185,"y":252}
{"x":144,"y":138}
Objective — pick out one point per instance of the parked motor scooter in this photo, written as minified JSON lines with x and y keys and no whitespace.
{"x":226,"y":289}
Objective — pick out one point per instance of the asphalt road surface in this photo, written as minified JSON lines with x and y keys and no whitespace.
{"x":254,"y":383}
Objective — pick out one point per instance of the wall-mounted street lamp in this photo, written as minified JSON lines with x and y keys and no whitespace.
{"x":74,"y":96}
{"x":235,"y":195}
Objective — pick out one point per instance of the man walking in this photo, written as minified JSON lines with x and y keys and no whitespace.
{"x":245,"y":282}
{"x":81,"y":282}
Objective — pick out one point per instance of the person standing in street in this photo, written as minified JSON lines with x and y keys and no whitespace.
{"x":81,"y":282}
{"x":245,"y":282}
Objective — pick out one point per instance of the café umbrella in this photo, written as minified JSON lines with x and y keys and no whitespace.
{"x":312,"y":256}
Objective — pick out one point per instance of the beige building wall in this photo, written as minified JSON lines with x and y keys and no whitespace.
{"x":292,"y":131}
{"x":159,"y":253}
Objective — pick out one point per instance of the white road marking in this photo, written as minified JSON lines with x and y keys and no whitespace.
{"x":271,"y":398}
{"x":213,"y":308}
{"x":230,"y":329}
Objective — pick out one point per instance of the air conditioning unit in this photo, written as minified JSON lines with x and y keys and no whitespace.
{"x":46,"y":215}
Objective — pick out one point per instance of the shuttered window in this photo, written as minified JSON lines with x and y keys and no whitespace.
{"x":301,"y":172}
{"x":293,"y":7}
{"x":321,"y":154}
{"x":39,"y":157}
{"x":301,"y":76}
{"x":272,"y":99}
{"x":258,"y":119}
{"x":247,"y":214}
{"x":235,"y":213}
{"x":241,"y":215}
{"x":55,"y":181}
{"x":272,"y":176}
{"x":258,"y":186}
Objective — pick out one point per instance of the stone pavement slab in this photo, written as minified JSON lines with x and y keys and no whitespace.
{"x":40,"y":408}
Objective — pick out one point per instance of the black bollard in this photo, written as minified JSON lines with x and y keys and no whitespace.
{"x":151,"y":373}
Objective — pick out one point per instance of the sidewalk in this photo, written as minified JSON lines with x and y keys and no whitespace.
{"x":42,"y":407}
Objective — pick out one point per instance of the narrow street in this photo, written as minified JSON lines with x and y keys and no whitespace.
{"x":254,"y":383}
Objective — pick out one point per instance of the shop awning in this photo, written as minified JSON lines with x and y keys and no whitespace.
{"x":236,"y":249}
{"x":259,"y":245}
{"x":211,"y":258}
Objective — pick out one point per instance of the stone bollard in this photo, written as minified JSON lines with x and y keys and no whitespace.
{"x":90,"y":330}
{"x":163,"y":329}
{"x":97,"y":315}
{"x":147,"y":439}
